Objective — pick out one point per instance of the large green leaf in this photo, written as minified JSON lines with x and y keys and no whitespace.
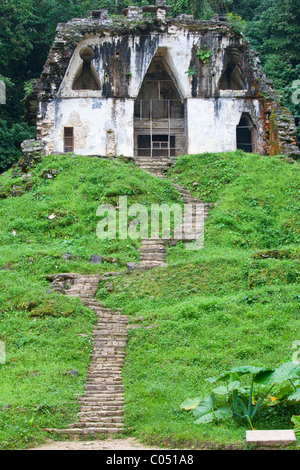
{"x":225,"y":389}
{"x":237,"y":372}
{"x":247,"y":369}
{"x":296,"y":421}
{"x":222,"y":413}
{"x":286,"y":371}
{"x":295,"y":396}
{"x":190,"y":403}
{"x":205,"y":407}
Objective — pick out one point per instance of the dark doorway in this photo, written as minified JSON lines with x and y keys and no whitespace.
{"x":159,"y":114}
{"x":244,"y":134}
{"x":160,"y":145}
{"x":68,"y":139}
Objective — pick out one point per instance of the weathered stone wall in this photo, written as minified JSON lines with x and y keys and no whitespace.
{"x":122,"y":52}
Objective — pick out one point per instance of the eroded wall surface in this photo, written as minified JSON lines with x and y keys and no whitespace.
{"x":103,"y":119}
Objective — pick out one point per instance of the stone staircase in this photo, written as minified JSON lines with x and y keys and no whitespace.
{"x":152,"y":253}
{"x":154,"y":165}
{"x":102,"y":404}
{"x":199,"y":212}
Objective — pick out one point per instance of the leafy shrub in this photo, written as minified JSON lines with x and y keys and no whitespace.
{"x":241,"y":401}
{"x":11,"y":138}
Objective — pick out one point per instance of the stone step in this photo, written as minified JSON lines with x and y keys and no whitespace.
{"x":103,"y":380}
{"x":109,"y":342}
{"x":99,"y":400}
{"x":153,"y":244}
{"x":110,"y":337}
{"x":113,"y":347}
{"x":106,"y":318}
{"x":101,"y":403}
{"x":95,"y":372}
{"x":109,"y":387}
{"x":95,"y":405}
{"x":87,"y":431}
{"x":104,"y":417}
{"x":96,"y":369}
{"x":107,"y":364}
{"x":102,"y":398}
{"x":107,"y":373}
{"x":108,"y":349}
{"x":111,"y":311}
{"x":151,"y":163}
{"x":154,"y":241}
{"x":97,"y":419}
{"x":100,"y":413}
{"x":102,"y":408}
{"x":103,"y":357}
{"x":98,"y":424}
{"x":98,"y":392}
{"x":153,"y":256}
{"x":109,"y":334}
{"x":151,"y":264}
{"x":153,"y":261}
{"x":146,"y":248}
{"x":107,"y":361}
{"x":113,"y":324}
{"x":104,"y":353}
{"x":144,"y":163}
{"x":96,"y":379}
{"x":110,"y":328}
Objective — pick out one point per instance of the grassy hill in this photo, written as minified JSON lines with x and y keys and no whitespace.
{"x":234,"y":302}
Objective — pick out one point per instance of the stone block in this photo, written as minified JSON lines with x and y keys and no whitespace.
{"x":96,"y":259}
{"x":32,"y":146}
{"x":271,"y":438}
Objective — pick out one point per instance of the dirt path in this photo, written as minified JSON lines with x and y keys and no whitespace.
{"x":105,"y":444}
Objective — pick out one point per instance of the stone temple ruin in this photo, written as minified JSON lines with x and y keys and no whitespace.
{"x":146,"y":85}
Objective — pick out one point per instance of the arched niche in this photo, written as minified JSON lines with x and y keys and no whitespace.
{"x":159,"y":112}
{"x":232,"y":77}
{"x":86,"y":77}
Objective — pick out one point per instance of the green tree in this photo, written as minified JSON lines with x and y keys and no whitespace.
{"x":274,"y":32}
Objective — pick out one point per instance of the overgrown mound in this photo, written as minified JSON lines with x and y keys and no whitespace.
{"x":234,"y":302}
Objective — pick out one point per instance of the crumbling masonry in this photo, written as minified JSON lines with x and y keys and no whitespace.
{"x":145,"y":85}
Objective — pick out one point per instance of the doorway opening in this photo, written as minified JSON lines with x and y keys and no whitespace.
{"x":244,"y":134}
{"x":159,"y":114}
{"x":68,"y":139}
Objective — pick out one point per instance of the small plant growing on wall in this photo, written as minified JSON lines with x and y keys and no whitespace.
{"x":191,"y":72}
{"x":204,"y":54}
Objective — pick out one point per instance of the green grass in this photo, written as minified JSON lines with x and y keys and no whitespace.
{"x":46,"y":334}
{"x":234,"y":302}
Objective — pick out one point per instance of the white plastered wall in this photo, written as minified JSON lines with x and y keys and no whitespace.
{"x":92,"y":120}
{"x":211,"y":122}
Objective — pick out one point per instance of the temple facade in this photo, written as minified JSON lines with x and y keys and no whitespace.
{"x":152,"y":86}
